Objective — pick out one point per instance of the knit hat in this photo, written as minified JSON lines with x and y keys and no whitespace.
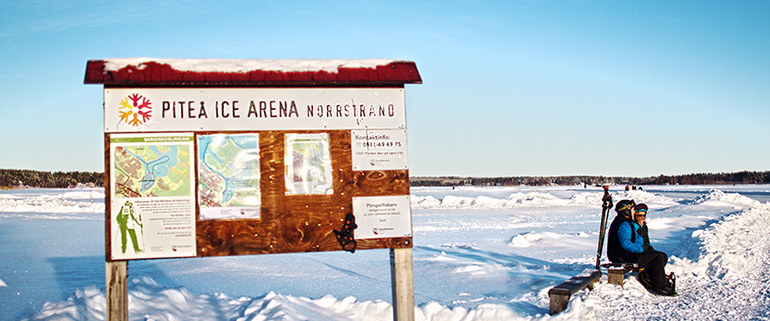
{"x":624,"y":205}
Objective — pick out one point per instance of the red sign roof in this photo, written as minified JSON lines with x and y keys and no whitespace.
{"x":153,"y":72}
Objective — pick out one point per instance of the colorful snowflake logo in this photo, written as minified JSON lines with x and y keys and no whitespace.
{"x":130,"y":112}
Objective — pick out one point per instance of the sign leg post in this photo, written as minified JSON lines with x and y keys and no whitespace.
{"x":117,"y":291}
{"x":402,"y":285}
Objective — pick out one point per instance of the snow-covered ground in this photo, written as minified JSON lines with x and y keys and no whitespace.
{"x":481,"y":253}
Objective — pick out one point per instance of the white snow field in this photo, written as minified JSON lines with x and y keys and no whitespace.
{"x":480,"y":253}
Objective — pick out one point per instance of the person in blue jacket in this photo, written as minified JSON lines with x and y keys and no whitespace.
{"x":640,"y":223}
{"x":625,"y":245}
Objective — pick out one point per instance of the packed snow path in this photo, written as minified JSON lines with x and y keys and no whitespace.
{"x":730,"y":279}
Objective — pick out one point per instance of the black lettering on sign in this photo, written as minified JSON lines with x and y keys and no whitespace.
{"x":202,"y":112}
{"x":166,"y":106}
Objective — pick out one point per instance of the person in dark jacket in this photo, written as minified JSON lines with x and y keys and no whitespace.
{"x":625,"y":245}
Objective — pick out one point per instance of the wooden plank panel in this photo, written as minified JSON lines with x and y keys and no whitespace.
{"x":301,"y":223}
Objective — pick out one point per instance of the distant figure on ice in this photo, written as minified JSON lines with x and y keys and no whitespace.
{"x":627,"y":188}
{"x":626,"y":245}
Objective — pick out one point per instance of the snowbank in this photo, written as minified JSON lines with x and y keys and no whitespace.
{"x":531,"y":199}
{"x":63,"y":201}
{"x":719,"y":198}
{"x":536,"y":199}
{"x":149,"y":301}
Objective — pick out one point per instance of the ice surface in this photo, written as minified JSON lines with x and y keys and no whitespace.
{"x":480,"y":254}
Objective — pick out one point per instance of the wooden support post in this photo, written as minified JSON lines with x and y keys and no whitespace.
{"x":616,"y":276}
{"x":402,"y":284}
{"x":559,"y":301}
{"x":593,"y":283}
{"x":117,"y":291}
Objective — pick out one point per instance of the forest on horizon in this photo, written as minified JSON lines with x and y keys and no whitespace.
{"x":743,"y":177}
{"x":20,"y":177}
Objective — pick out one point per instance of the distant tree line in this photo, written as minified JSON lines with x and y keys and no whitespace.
{"x":21,"y":177}
{"x":18,"y":177}
{"x":744,"y":177}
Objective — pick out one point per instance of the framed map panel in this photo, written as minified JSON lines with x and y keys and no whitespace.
{"x":228,"y":176}
{"x":152,"y":198}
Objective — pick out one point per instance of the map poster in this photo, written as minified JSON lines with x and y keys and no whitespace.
{"x":382,"y":216}
{"x":308,"y":165}
{"x":228,"y":176}
{"x":383,"y":149}
{"x":152,"y":208}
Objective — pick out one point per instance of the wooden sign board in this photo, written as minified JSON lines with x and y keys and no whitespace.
{"x":213,"y":163}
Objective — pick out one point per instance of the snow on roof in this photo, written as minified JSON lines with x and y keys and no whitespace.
{"x":251,"y":72}
{"x":246,"y":65}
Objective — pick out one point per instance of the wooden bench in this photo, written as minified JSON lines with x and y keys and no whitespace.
{"x":561,"y":293}
{"x":616,"y":272}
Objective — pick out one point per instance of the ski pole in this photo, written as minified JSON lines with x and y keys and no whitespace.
{"x":606,"y":205}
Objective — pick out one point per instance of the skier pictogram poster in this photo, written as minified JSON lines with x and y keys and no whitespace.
{"x":153,"y":202}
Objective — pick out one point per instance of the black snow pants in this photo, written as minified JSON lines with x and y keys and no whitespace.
{"x":654,"y":263}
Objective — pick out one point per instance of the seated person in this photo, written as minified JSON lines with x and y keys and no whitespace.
{"x":640,"y":215}
{"x":625,"y":245}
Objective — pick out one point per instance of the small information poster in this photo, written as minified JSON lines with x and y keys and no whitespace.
{"x":228,"y":176}
{"x":383,"y":149}
{"x":153,"y":202}
{"x":308,"y":164}
{"x":382,"y":216}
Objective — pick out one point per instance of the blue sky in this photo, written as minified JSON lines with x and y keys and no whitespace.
{"x":510,"y":88}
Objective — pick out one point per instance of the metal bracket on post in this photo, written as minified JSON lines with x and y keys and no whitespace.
{"x":117,"y":291}
{"x":402,"y":280}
